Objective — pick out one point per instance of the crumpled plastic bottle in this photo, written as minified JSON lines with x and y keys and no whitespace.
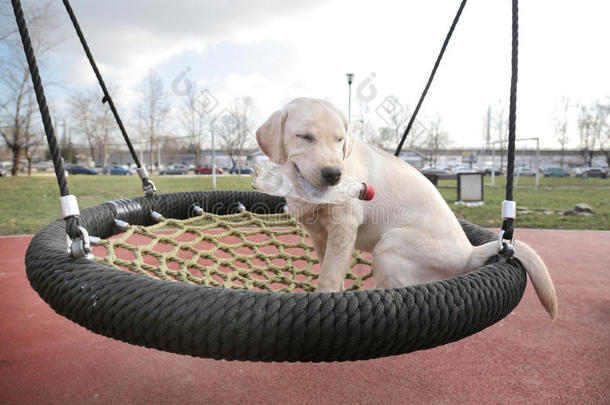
{"x":285,"y":181}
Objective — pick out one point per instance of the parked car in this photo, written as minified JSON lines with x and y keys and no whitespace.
{"x":3,"y":172}
{"x":497,"y":172}
{"x":555,"y":172}
{"x":118,"y":171}
{"x":523,"y":171}
{"x":434,"y":171}
{"x":44,"y":166}
{"x":79,"y":169}
{"x":206,"y":169}
{"x":242,"y":169}
{"x":175,"y":169}
{"x":464,"y":169}
{"x":594,"y":172}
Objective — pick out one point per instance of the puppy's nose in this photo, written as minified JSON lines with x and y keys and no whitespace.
{"x":331,"y":175}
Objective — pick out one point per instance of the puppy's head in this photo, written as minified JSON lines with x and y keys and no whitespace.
{"x":311,"y":134}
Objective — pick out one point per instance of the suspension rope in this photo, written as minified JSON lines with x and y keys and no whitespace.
{"x":436,"y":65}
{"x":73,"y":221}
{"x":147,"y":185}
{"x":508,"y":223}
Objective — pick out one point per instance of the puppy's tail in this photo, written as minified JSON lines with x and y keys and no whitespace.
{"x":534,"y":266}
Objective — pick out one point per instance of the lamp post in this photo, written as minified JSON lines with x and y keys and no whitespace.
{"x":350,"y":79}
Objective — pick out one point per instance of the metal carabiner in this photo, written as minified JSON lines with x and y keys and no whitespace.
{"x":505,"y":249}
{"x":81,"y":247}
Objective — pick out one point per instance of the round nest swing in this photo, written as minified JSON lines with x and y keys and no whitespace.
{"x":243,"y":324}
{"x":228,"y":275}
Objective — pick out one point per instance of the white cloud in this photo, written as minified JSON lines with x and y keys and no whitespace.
{"x":277,"y":50}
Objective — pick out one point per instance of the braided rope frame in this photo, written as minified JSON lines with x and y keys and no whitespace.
{"x":259,"y":326}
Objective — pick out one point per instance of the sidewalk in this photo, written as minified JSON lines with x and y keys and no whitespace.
{"x":524,"y":359}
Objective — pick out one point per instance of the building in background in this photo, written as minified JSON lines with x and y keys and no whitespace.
{"x":446,"y":158}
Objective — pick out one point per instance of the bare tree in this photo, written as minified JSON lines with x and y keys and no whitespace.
{"x":18,"y":129}
{"x":32,"y":138}
{"x":43,"y":26}
{"x":561,"y":125}
{"x":152,"y":111}
{"x":396,"y":117}
{"x":106,"y":128}
{"x":195,"y":117}
{"x":94,"y":122}
{"x":17,"y":108}
{"x":603,"y":112}
{"x":592,"y":126}
{"x":435,"y":140}
{"x":500,"y":129}
{"x":362,"y":127}
{"x":235,"y":128}
{"x":81,"y":106}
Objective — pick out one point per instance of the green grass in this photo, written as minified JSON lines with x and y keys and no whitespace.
{"x":553,"y":194}
{"x":28,"y":203}
{"x":554,"y":181}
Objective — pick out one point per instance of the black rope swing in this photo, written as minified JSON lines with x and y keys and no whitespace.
{"x":232,"y":324}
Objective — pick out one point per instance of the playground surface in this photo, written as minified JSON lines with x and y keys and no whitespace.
{"x":522,"y":359}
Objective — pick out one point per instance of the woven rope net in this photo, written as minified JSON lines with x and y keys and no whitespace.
{"x":265,"y":252}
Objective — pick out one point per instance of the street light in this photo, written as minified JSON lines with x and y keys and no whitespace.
{"x":350,"y":79}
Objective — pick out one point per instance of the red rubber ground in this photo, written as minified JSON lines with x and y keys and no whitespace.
{"x":523,"y":359}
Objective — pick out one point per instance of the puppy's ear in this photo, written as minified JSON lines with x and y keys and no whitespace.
{"x":349,"y":138}
{"x":270,"y":136}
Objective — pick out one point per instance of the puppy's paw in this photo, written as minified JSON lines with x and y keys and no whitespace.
{"x":327,"y":288}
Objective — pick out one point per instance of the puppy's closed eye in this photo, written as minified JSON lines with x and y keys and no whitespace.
{"x":306,"y":137}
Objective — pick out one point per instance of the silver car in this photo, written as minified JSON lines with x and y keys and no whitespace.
{"x":175,"y":169}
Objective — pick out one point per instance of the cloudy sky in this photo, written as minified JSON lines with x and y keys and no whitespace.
{"x":276,"y":50}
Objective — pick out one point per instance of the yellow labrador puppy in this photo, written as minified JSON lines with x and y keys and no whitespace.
{"x":413,"y":234}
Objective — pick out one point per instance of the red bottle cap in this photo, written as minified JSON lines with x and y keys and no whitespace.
{"x":367,"y":193}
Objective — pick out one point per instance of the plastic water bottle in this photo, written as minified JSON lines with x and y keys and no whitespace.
{"x":285,"y":181}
